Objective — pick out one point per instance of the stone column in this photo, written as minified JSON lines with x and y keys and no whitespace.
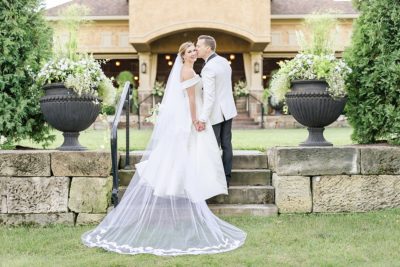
{"x":144,"y":78}
{"x":255,"y":83}
{"x":145,"y":85}
{"x":256,"y":78}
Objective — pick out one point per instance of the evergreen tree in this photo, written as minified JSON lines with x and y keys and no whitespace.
{"x":25,"y":41}
{"x":374,"y":86}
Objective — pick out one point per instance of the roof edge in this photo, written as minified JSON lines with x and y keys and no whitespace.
{"x":302,"y":16}
{"x":55,"y":18}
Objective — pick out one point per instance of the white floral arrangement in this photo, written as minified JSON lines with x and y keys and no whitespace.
{"x":154,"y":114}
{"x":311,"y":67}
{"x":158,"y":89}
{"x":83,"y":76}
{"x":240,"y":89}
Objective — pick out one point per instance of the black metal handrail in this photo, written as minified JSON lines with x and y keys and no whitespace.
{"x":124,"y":100}
{"x":138,"y":112}
{"x":261,"y":106}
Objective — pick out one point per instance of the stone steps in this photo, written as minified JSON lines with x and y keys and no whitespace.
{"x":245,"y":127}
{"x":242,"y":116}
{"x":245,"y":195}
{"x":236,"y":195}
{"x":265,"y":210}
{"x":239,"y":177}
{"x":250,"y":209}
{"x":250,"y":192}
{"x":242,"y":159}
{"x":243,"y":121}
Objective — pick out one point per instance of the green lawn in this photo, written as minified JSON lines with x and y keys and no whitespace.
{"x":242,"y":139}
{"x":357,"y":239}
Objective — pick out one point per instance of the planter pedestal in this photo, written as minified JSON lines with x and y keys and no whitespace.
{"x":316,"y":138}
{"x":71,"y":142}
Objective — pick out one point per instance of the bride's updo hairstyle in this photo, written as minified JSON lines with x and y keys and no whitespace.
{"x":183,"y":47}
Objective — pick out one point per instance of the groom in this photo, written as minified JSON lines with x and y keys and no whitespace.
{"x":218,"y":104}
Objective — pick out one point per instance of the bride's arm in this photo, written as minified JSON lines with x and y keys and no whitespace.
{"x":186,"y":75}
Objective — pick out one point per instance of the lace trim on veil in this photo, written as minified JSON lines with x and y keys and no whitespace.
{"x":126,"y":249}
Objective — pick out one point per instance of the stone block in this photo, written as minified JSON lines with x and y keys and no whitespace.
{"x":313,"y":161}
{"x":81,"y":163}
{"x":355,"y":193}
{"x":381,"y":160}
{"x":271,"y":157}
{"x":34,"y":194}
{"x":292,"y":193}
{"x":40,"y":219}
{"x":24,"y":163}
{"x":90,"y":194}
{"x":89,"y":218}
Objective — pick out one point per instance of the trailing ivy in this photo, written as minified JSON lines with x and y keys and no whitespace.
{"x":374,"y":86}
{"x":25,"y":41}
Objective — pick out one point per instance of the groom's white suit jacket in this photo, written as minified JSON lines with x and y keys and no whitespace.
{"x":218,"y":100}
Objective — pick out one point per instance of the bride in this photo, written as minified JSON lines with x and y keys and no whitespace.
{"x":163,"y":210}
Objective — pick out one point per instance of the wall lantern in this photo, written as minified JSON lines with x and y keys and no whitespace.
{"x":256,"y":67}
{"x":167,"y":57}
{"x":117,"y":63}
{"x":143,"y":68}
{"x":231,"y":56}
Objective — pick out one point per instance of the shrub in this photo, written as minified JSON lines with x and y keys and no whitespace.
{"x":374,"y":86}
{"x":25,"y":41}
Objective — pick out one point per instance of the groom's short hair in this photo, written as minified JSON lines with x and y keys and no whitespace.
{"x":209,"y":41}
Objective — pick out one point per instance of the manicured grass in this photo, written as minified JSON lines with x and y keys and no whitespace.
{"x":358,"y":239}
{"x":242,"y":139}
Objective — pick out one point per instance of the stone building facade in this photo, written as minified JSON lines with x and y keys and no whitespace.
{"x":143,"y":36}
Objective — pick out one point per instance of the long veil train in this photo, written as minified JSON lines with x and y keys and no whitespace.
{"x":163,"y":211}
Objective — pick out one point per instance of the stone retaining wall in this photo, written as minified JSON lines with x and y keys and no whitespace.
{"x":74,"y":187}
{"x":335,"y":179}
{"x":54,"y":187}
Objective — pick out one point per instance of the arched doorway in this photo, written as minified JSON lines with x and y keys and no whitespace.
{"x":165,"y":63}
{"x":229,"y":46}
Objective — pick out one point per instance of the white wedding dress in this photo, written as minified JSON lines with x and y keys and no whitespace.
{"x":163,"y":211}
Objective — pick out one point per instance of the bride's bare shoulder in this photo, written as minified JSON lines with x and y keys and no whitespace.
{"x":187,"y":74}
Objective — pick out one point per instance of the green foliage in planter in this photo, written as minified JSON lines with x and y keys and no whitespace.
{"x":25,"y":41}
{"x":108,"y":110}
{"x":373,"y":106}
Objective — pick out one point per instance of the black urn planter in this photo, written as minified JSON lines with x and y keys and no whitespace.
{"x":311,"y":105}
{"x":67,"y":112}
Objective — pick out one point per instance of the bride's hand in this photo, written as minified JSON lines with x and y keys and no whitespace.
{"x":201,"y":126}
{"x":196,"y":125}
